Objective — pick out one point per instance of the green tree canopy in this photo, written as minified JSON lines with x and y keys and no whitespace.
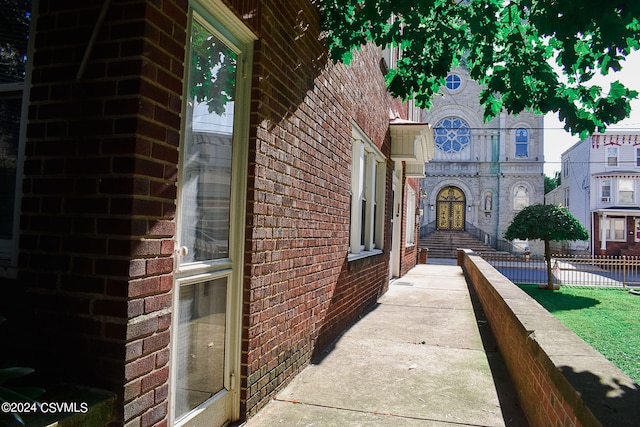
{"x":542,"y":222}
{"x":507,"y":46}
{"x":547,"y":223}
{"x":549,"y":184}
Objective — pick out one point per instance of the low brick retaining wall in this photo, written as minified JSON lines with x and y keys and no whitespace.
{"x":560,"y":379}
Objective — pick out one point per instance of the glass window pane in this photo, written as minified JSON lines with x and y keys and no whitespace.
{"x":206,"y":176}
{"x":411,"y":216}
{"x":10,"y":108}
{"x":615,"y":231}
{"x":606,"y":188}
{"x":612,"y":156}
{"x":522,"y":142}
{"x":626,"y":191}
{"x":452,"y":135}
{"x":522,"y":135}
{"x":618,"y":229}
{"x":200,"y":343}
{"x":626,"y":185}
{"x":626,"y":197}
{"x":14,"y":33}
{"x":453,"y":81}
{"x":521,"y":150}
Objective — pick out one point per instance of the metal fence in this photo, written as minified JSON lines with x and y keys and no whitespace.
{"x":570,"y":270}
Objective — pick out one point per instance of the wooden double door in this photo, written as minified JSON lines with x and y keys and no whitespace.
{"x":450,"y":209}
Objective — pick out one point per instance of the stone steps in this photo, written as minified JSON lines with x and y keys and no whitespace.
{"x":444,"y":243}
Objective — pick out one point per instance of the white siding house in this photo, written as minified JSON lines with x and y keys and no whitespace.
{"x":600,"y":187}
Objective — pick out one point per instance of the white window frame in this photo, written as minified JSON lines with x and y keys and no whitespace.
{"x":391,"y":54}
{"x":410,"y":231}
{"x":229,"y":29}
{"x":565,"y":168}
{"x":567,"y":199}
{"x":626,"y":188}
{"x":9,"y":247}
{"x":609,"y":159}
{"x":610,"y":228}
{"x":368,"y":179}
{"x":605,"y":191}
{"x":637,"y":156}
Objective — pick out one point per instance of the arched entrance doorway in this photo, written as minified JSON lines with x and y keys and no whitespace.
{"x":450,"y":209}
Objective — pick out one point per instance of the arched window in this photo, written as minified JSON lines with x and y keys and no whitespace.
{"x":452,"y":135}
{"x":522,"y":142}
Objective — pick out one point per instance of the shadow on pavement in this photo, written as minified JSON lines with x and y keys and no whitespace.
{"x":511,"y":409}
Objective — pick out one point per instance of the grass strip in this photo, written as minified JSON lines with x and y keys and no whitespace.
{"x":607,"y":319}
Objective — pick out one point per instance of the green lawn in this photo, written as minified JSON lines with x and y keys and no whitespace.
{"x":607,"y":319}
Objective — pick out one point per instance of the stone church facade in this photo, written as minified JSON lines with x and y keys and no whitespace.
{"x":483,"y":173}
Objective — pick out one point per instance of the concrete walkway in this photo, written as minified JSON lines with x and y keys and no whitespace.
{"x":419,"y":358}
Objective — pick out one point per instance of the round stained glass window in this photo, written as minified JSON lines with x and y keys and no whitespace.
{"x":452,"y":135}
{"x":453,"y":81}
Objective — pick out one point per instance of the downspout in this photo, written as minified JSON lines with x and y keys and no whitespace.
{"x":496,"y":142}
{"x":495,"y":169}
{"x":592,"y":230}
{"x":501,"y":144}
{"x":497,"y":209}
{"x":92,"y":40}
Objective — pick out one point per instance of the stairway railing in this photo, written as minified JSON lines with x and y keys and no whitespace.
{"x":427,"y":229}
{"x":481,"y":235}
{"x":487,"y":238}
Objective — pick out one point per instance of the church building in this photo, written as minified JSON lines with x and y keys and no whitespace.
{"x":483,"y":172}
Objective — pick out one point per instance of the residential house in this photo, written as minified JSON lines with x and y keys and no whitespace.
{"x":195,"y":200}
{"x":600,"y":185}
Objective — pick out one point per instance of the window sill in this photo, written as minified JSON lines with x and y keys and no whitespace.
{"x":363,"y":254}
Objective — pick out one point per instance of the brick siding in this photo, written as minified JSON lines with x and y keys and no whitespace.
{"x":99,"y":196}
{"x":300,"y":290}
{"x":628,"y":248}
{"x":97,"y":222}
{"x":559,"y":379}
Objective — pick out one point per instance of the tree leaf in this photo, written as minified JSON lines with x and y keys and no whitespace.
{"x":491,"y":35}
{"x":13,"y":372}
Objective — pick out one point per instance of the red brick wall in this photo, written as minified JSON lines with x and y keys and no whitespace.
{"x":300,"y":291}
{"x":560,"y":379}
{"x":628,"y":248}
{"x":536,"y":391}
{"x":99,"y":196}
{"x":98,"y":211}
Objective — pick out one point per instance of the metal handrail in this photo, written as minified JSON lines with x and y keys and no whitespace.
{"x":569,"y":270}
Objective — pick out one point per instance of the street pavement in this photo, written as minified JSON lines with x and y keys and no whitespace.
{"x":422,"y":357}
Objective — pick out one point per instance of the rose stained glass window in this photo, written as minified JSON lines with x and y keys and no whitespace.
{"x":452,"y":135}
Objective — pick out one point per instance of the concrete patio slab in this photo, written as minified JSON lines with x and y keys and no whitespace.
{"x":420,"y":357}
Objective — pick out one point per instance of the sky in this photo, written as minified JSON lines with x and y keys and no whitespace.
{"x":557,"y":140}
